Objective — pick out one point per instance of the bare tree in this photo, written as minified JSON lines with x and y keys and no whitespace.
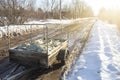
{"x":45,"y":7}
{"x":53,"y":4}
{"x":39,"y":14}
{"x":80,"y":9}
{"x":13,"y":11}
{"x":51,"y":8}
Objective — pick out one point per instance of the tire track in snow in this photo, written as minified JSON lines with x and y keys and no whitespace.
{"x":87,"y":66}
{"x":114,"y":67}
{"x":103,"y":56}
{"x":109,"y":71}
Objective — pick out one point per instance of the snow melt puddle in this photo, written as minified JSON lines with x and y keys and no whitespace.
{"x":100,"y":58}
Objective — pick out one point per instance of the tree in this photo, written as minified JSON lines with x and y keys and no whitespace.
{"x":45,"y":7}
{"x":80,"y":9}
{"x":110,"y":15}
{"x":50,"y":8}
{"x":13,"y":11}
{"x":53,"y":5}
{"x":39,"y":14}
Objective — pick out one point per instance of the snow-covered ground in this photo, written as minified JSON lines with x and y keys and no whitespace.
{"x":100,"y":59}
{"x":51,"y":21}
{"x":24,"y":29}
{"x":57,"y":21}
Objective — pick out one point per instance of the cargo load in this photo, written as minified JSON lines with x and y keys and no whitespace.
{"x":39,"y":52}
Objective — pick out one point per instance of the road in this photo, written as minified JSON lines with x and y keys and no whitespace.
{"x":100,"y":58}
{"x":5,"y":67}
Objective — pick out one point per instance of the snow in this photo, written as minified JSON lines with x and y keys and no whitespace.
{"x":51,"y":21}
{"x":101,"y":56}
{"x":39,"y":45}
{"x":24,"y":29}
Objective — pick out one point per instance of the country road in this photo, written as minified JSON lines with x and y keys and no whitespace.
{"x":75,"y":31}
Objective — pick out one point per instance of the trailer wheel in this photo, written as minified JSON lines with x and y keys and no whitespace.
{"x":62,"y":55}
{"x":67,"y":53}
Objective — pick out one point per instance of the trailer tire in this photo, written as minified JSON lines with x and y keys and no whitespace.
{"x":63,"y":55}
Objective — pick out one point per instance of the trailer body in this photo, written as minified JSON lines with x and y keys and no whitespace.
{"x":33,"y":59}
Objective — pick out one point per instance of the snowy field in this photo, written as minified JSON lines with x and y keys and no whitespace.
{"x":100,"y":59}
{"x":25,"y":29}
{"x":51,"y":21}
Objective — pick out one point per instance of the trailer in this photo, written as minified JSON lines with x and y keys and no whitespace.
{"x":42,"y":52}
{"x":37,"y":53}
{"x":43,"y":58}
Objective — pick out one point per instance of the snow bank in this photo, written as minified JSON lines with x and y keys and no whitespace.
{"x":25,"y":29}
{"x":100,"y":58}
{"x":18,"y":29}
{"x":50,"y":21}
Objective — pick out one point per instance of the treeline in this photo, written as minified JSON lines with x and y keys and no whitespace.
{"x":110,"y":15}
{"x":16,"y":11}
{"x":20,"y":11}
{"x":80,"y":9}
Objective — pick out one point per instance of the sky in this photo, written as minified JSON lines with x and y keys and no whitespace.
{"x":96,"y":4}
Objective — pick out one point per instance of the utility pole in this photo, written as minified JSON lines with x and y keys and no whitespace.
{"x":60,"y":19}
{"x":60,"y":10}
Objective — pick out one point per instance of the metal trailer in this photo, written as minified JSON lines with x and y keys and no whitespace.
{"x":26,"y":62}
{"x":33,"y":59}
